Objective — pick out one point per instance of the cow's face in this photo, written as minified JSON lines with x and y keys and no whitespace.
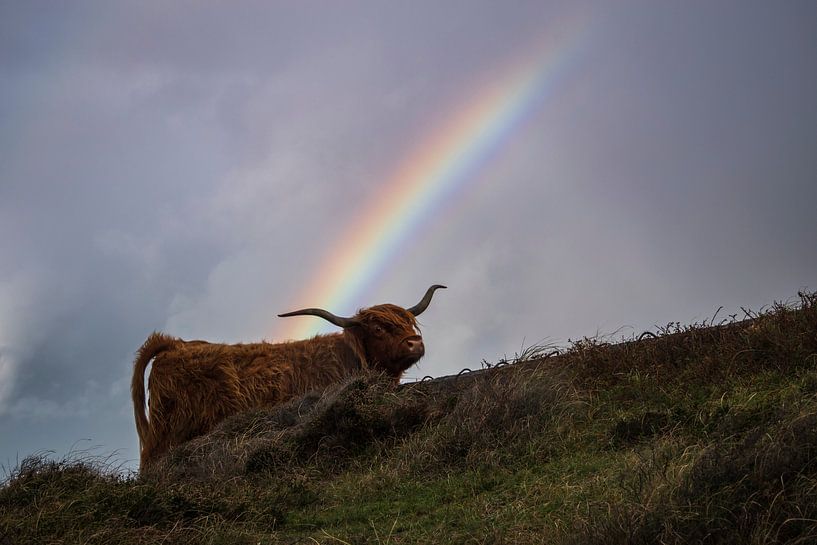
{"x":390,"y":338}
{"x":386,"y":334}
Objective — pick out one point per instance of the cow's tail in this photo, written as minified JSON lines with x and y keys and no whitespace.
{"x":156,"y":343}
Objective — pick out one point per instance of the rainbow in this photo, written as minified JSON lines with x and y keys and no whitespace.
{"x":446,"y":161}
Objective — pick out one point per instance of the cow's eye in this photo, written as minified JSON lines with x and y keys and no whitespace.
{"x":378,"y":329}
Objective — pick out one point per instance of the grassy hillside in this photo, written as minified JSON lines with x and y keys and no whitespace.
{"x":697,"y":434}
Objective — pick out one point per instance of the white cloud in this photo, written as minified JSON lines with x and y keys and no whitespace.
{"x":16,"y":305}
{"x":8,"y":369}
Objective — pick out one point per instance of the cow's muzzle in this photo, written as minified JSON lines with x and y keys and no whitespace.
{"x":415,"y":345}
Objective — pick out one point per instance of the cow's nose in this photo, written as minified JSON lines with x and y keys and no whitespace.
{"x":415,"y":345}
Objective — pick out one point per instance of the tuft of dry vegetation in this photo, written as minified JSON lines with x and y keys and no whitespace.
{"x":704,"y":433}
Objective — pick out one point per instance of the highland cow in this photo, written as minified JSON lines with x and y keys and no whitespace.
{"x":193,"y":385}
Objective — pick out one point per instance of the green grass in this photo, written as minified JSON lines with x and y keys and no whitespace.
{"x":698,"y":434}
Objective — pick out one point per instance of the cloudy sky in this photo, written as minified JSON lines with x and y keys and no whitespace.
{"x":192,"y":167}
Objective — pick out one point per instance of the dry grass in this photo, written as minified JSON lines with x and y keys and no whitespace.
{"x":697,"y":434}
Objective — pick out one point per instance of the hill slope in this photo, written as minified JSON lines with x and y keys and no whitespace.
{"x":696,"y":434}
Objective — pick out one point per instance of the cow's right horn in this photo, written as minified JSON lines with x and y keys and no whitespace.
{"x":423,"y":304}
{"x":325,"y":314}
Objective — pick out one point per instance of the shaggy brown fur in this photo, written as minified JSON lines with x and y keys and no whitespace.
{"x":193,"y":385}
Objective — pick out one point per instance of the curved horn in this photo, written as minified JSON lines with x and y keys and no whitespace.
{"x":423,"y":304}
{"x":325,"y":314}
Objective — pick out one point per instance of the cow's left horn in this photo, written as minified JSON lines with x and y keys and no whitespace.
{"x":339,"y":321}
{"x":422,"y":305}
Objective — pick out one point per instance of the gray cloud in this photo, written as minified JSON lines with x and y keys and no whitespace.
{"x":165,"y":167}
